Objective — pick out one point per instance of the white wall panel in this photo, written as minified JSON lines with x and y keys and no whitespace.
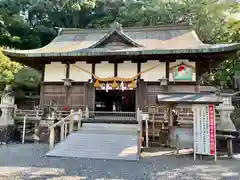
{"x":155,"y":74}
{"x":104,"y":70}
{"x":127,"y":69}
{"x":56,"y":71}
{"x":79,"y":75}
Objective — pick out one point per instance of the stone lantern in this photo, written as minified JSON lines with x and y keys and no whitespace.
{"x":225,"y":109}
{"x":6,"y":120}
{"x":226,"y":128}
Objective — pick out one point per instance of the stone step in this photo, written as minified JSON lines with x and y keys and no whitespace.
{"x":104,"y":143}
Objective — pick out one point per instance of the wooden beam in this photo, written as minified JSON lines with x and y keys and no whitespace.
{"x":139,"y":69}
{"x":42,"y":85}
{"x":67,"y":70}
{"x":115,"y":69}
{"x":93,"y":69}
{"x":167,"y":70}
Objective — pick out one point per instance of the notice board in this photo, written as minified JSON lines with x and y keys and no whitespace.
{"x":204,"y":129}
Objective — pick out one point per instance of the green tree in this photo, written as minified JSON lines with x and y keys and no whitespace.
{"x":8,"y":69}
{"x":37,"y":27}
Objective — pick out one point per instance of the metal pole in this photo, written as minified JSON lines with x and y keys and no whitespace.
{"x":214,"y":123}
{"x":194,"y":131}
{"x":146,"y":125}
{"x":24,"y":129}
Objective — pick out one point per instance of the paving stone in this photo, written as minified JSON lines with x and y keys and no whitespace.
{"x":28,"y":162}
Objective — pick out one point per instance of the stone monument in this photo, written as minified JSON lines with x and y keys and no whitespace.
{"x":6,"y":120}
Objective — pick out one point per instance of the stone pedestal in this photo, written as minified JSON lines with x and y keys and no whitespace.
{"x":6,"y":134}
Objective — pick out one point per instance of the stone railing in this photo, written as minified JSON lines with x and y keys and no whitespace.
{"x":66,"y":125}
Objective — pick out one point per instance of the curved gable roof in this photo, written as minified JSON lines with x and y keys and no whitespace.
{"x":168,"y":39}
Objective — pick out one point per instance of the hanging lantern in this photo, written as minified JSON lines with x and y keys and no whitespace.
{"x":114,"y":84}
{"x":97,"y":84}
{"x":132,"y":85}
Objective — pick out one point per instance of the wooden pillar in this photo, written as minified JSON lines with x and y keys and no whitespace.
{"x":167,"y":75}
{"x":115,"y":69}
{"x":198,"y":83}
{"x":42,"y":85}
{"x":89,"y":92}
{"x":139,"y":69}
{"x":67,"y":87}
{"x":140,"y":94}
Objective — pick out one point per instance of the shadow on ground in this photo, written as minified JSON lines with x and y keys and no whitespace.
{"x":29,"y":162}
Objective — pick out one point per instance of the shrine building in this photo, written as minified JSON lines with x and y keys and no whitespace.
{"x":121,"y":69}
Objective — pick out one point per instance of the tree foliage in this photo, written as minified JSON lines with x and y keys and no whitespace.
{"x":8,"y":68}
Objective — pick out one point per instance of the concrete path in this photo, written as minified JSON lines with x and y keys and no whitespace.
{"x":28,"y":162}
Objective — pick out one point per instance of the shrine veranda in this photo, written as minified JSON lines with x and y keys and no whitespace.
{"x":124,"y":69}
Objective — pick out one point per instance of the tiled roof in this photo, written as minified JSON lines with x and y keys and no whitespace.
{"x":148,"y":41}
{"x":193,"y":98}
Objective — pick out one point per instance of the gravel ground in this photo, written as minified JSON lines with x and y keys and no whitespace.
{"x":28,"y":162}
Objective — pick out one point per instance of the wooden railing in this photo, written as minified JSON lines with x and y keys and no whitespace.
{"x":25,"y":117}
{"x":110,"y":115}
{"x":66,"y":125}
{"x":32,"y":114}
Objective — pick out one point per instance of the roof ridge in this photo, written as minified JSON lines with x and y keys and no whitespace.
{"x":126,"y":29}
{"x":120,"y":33}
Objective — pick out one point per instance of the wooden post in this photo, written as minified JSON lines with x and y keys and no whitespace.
{"x":71,"y":121}
{"x":37,"y":113}
{"x":139,"y":119}
{"x":87,"y":112}
{"x":60,"y":115}
{"x":24,"y":129}
{"x":15,"y":111}
{"x":153,"y":122}
{"x":36,"y":132}
{"x":79,"y":118}
{"x":62,"y":129}
{"x":65,"y":129}
{"x":177,"y":144}
{"x":51,"y":138}
{"x":146,"y":127}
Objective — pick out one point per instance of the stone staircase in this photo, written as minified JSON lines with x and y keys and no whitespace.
{"x":100,"y":141}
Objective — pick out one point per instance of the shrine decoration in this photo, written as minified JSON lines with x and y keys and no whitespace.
{"x":182,"y":72}
{"x":97,"y":84}
{"x":132,"y":85}
{"x":114,"y":80}
{"x":114,"y":84}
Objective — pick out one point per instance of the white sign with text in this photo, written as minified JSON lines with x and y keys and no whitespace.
{"x":204,"y":129}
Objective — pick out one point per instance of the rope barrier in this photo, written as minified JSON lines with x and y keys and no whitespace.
{"x":115,"y":79}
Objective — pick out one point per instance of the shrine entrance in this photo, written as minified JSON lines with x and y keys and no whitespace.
{"x":115,"y":100}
